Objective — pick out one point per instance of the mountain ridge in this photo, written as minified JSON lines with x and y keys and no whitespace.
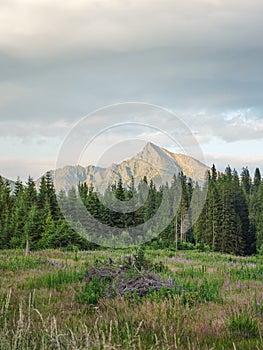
{"x":152,"y":161}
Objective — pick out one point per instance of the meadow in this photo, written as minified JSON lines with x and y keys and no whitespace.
{"x":46,"y":303}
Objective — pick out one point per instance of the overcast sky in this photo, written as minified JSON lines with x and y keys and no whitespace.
{"x":61,"y":60}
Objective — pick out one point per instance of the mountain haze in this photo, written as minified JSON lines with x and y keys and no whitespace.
{"x":153,"y":161}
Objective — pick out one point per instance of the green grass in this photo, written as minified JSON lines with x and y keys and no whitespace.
{"x":16,"y":261}
{"x":45,"y":304}
{"x":243,"y":325}
{"x":52,"y":280}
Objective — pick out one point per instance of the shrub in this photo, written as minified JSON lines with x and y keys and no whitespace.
{"x":202,"y":247}
{"x":92,"y":291}
{"x":260,"y":250}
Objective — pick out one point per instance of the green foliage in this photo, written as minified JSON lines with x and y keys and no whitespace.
{"x":139,"y":258}
{"x":202,"y":247}
{"x":92,"y":291}
{"x":226,"y":222}
{"x":260,"y":250}
{"x":231,"y":220}
{"x":190,"y":298}
{"x":206,"y":291}
{"x":244,"y":326}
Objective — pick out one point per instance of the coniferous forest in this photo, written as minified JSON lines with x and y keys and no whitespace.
{"x":231,"y":220}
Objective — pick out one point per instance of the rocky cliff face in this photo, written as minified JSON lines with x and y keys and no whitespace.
{"x":153,"y":161}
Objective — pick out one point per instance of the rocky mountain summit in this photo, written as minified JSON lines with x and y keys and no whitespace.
{"x":153,"y":161}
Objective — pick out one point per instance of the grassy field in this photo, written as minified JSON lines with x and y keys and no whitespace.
{"x":45,"y":303}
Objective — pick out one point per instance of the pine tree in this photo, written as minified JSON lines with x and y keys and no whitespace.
{"x":241,"y":208}
{"x":6,"y":205}
{"x":259,"y":227}
{"x":143,"y":188}
{"x":52,"y":198}
{"x":119,"y":193}
{"x":19,"y":214}
{"x":31,"y":228}
{"x":151,"y":202}
{"x":207,"y":227}
{"x":18,"y":188}
{"x":184,"y":218}
{"x":30,"y":193}
{"x":44,"y":210}
{"x":132,"y":196}
{"x":246,"y":180}
{"x":231,"y":235}
{"x":257,"y":179}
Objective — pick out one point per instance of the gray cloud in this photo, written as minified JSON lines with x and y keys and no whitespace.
{"x":61,"y":60}
{"x":73,"y":87}
{"x":71,"y":58}
{"x":46,"y":27}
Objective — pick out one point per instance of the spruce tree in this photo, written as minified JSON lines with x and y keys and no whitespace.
{"x":257,"y":179}
{"x":6,"y":207}
{"x":19,"y":215}
{"x":207,"y":227}
{"x":246,"y":180}
{"x":259,"y":227}
{"x":231,"y":236}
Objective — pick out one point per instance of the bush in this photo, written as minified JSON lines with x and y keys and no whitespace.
{"x":202,"y":247}
{"x":260,"y":250}
{"x":92,"y":291}
{"x":185,"y":246}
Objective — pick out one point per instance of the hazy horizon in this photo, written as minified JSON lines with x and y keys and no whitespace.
{"x":110,"y":157}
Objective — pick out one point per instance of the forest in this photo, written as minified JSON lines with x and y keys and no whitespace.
{"x":231,"y":219}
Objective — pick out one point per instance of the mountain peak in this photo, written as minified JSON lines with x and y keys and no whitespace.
{"x":151,"y":146}
{"x":153,"y":161}
{"x":156,"y":156}
{"x":150,"y":150}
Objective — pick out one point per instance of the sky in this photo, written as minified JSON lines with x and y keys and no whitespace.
{"x":62,"y":60}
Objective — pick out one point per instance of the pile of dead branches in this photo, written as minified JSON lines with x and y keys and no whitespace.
{"x":128,"y":280}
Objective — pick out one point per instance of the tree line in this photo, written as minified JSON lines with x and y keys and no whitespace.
{"x":230,"y":218}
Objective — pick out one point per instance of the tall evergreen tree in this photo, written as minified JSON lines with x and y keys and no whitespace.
{"x":246,"y":180}
{"x":6,"y":205}
{"x":259,"y":227}
{"x":19,"y":214}
{"x":207,"y":227}
{"x":257,"y":179}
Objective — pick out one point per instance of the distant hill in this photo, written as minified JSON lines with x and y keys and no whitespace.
{"x":153,"y":161}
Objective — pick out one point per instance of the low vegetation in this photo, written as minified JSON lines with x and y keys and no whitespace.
{"x":58,"y":300}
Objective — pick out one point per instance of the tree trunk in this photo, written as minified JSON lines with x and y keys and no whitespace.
{"x":176,"y":233}
{"x":27,"y":248}
{"x":182,"y":228}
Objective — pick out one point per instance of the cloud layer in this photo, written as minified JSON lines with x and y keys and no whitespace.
{"x":47,"y":26}
{"x":60,"y":60}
